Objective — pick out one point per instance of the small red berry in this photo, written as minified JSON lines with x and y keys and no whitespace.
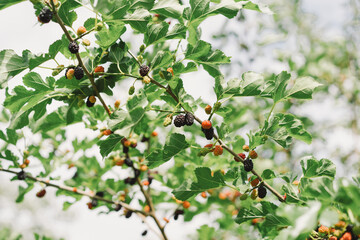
{"x":323,"y":229}
{"x":27,"y":162}
{"x":143,"y":168}
{"x":41,"y":193}
{"x":107,"y":132}
{"x":253,"y":154}
{"x":170,"y":70}
{"x":99,"y":69}
{"x":147,"y":208}
{"x":186,"y":204}
{"x":332,"y":238}
{"x":218,"y":150}
{"x":154,"y":134}
{"x":206,"y":124}
{"x":254,"y":182}
{"x":92,"y":99}
{"x":117,"y":104}
{"x":203,"y":194}
{"x":145,"y":183}
{"x":346,"y":236}
{"x":241,"y":155}
{"x":222,"y":196}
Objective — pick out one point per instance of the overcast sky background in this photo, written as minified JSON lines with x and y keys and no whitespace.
{"x":20,"y":30}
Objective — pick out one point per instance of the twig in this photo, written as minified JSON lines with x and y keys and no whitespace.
{"x":88,"y":74}
{"x":79,"y":192}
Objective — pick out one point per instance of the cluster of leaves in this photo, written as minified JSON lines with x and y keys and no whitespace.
{"x":191,"y":174}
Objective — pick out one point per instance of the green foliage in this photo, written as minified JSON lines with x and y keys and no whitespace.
{"x":260,"y":106}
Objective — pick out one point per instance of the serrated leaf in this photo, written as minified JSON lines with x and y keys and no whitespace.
{"x":108,"y":36}
{"x":175,"y":143}
{"x":303,"y":88}
{"x":12,"y":64}
{"x":23,"y":191}
{"x":66,"y":12}
{"x":283,"y":127}
{"x":155,"y":33}
{"x":168,"y":8}
{"x":7,"y":3}
{"x":281,"y":81}
{"x":313,"y":168}
{"x":258,"y":210}
{"x":161,"y":59}
{"x":109,"y":144}
{"x":138,"y":20}
{"x":204,"y":182}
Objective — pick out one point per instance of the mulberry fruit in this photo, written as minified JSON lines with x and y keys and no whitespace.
{"x":248,"y":165}
{"x":128,"y":162}
{"x":209,"y":133}
{"x":261,"y":192}
{"x":41,"y":193}
{"x":128,"y":214}
{"x":253,"y":154}
{"x":21,"y":175}
{"x":179,"y":120}
{"x":208,"y":109}
{"x":73,"y":47}
{"x":78,"y":72}
{"x":45,"y":15}
{"x":69,"y":73}
{"x":90,"y":101}
{"x":206,"y":124}
{"x":218,"y":150}
{"x":144,"y":69}
{"x":189,"y":119}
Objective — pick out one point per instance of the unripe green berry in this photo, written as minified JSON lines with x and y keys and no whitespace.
{"x":131,"y":90}
{"x":99,"y":26}
{"x":217,"y":106}
{"x":243,"y":197}
{"x":168,"y":120}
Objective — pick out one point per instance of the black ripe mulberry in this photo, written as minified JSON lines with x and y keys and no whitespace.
{"x":21,"y":175}
{"x":144,"y":233}
{"x":261,"y":192}
{"x":248,"y":165}
{"x":209,"y":133}
{"x":117,"y":207}
{"x":78,"y":72}
{"x":144,"y":69}
{"x":128,"y":162}
{"x":94,"y":202}
{"x":45,"y":15}
{"x":189,"y":119}
{"x":128,"y":214}
{"x":73,"y":47}
{"x":179,"y":120}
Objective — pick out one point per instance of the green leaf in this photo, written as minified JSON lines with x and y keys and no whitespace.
{"x":110,"y":9}
{"x":23,"y":191}
{"x":24,"y":101}
{"x":257,"y":210}
{"x":283,"y":127}
{"x":303,"y":88}
{"x":201,"y":53}
{"x":205,"y":232}
{"x":268,"y":174}
{"x":155,"y":33}
{"x":12,"y":64}
{"x":251,"y":84}
{"x":175,"y":143}
{"x":7,"y":3}
{"x":313,"y":168}
{"x":138,"y":20}
{"x":66,"y":12}
{"x":121,"y":122}
{"x":108,"y":145}
{"x":281,"y":81}
{"x":204,"y":182}
{"x":108,"y":36}
{"x":161,"y":59}
{"x":168,"y":8}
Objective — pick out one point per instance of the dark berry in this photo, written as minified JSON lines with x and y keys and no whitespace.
{"x":261,"y":192}
{"x":144,"y":69}
{"x":128,"y":214}
{"x":248,"y":165}
{"x":45,"y":15}
{"x":179,"y":212}
{"x":117,"y":207}
{"x":132,"y":181}
{"x":21,"y":175}
{"x":125,"y":149}
{"x":79,"y":73}
{"x":145,"y":139}
{"x":209,"y":133}
{"x":137,"y":172}
{"x":89,"y":104}
{"x":176,"y":216}
{"x":144,"y":233}
{"x":189,"y":119}
{"x":94,"y":202}
{"x":128,"y":162}
{"x":100,"y":194}
{"x":150,"y":179}
{"x":73,"y":47}
{"x":349,"y":228}
{"x":127,"y":180}
{"x":179,"y":120}
{"x":41,"y":193}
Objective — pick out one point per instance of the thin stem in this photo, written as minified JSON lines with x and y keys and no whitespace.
{"x":118,"y":74}
{"x":162,"y":110}
{"x":133,"y":56}
{"x":79,"y":192}
{"x":88,"y":74}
